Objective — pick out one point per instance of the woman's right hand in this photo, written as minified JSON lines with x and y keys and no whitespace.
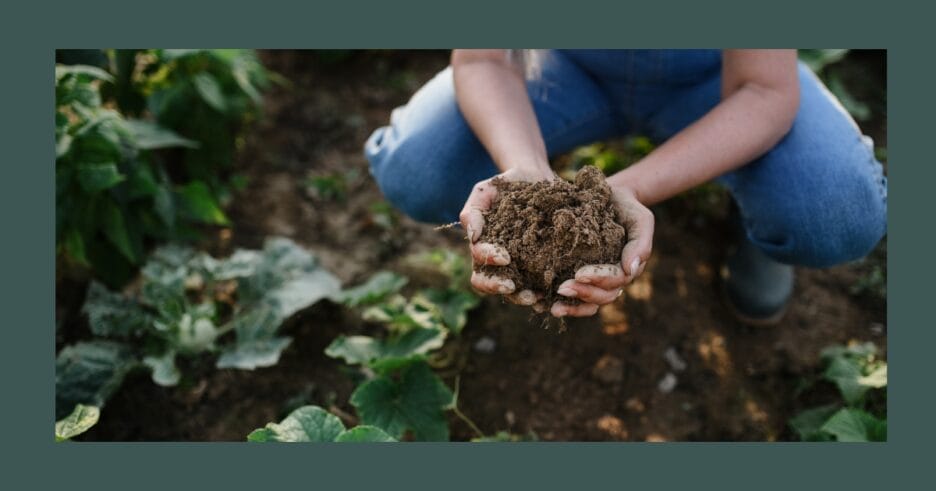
{"x":472,"y":220}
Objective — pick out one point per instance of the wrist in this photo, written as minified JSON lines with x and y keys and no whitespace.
{"x":626,"y":184}
{"x":534,"y":168}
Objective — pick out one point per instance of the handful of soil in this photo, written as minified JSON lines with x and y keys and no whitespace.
{"x":551,"y":229}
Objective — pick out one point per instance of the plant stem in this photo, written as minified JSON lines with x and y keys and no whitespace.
{"x":460,"y":414}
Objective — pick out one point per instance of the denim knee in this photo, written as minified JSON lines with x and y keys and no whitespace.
{"x":821,"y":226}
{"x":425,"y":177}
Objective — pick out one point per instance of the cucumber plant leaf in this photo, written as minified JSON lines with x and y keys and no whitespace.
{"x":375,"y":289}
{"x":451,"y":305}
{"x":113,"y":314}
{"x":164,"y":370}
{"x":387,"y":354}
{"x":81,"y":419}
{"x":314,"y":424}
{"x":89,"y":372}
{"x":855,"y":425}
{"x":808,"y":424}
{"x":253,"y":354}
{"x":414,"y":402}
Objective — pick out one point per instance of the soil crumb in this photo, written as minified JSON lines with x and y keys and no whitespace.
{"x":552,"y":228}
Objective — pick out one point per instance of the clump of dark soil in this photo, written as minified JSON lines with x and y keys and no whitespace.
{"x":552,"y":228}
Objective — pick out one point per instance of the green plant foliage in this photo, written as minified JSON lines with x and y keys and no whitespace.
{"x":89,"y":372}
{"x":176,"y":309}
{"x":113,"y":314}
{"x":450,"y":306}
{"x":413,"y":401}
{"x":855,"y":370}
{"x":855,"y":425}
{"x":808,"y":424}
{"x":206,"y":95}
{"x":386,"y":354}
{"x":818,"y":59}
{"x":314,"y":424}
{"x":114,"y":193}
{"x":375,"y":289}
{"x":81,"y":419}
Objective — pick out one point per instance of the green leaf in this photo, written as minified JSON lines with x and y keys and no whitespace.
{"x":88,"y":71}
{"x":302,"y":291}
{"x":364,"y":433}
{"x":375,"y":289}
{"x":876,"y":379}
{"x":147,"y":135}
{"x":210,"y":91}
{"x":115,"y":229}
{"x":808,"y":424}
{"x":113,"y":314}
{"x":400,"y":314}
{"x":165,"y":372}
{"x":306,"y":424}
{"x":383,"y":355}
{"x":63,"y":144}
{"x":415,"y":401}
{"x":97,"y":177}
{"x":817,"y":59}
{"x":196,"y":332}
{"x":89,"y":372}
{"x":252,"y":354}
{"x":451,"y":264}
{"x":199,"y":203}
{"x":75,"y":246}
{"x":855,"y":425}
{"x":452,"y":305}
{"x":81,"y":419}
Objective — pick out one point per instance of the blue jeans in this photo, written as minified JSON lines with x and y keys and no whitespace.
{"x":818,"y":198}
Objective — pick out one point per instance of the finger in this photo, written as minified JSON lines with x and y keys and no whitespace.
{"x":606,"y":276}
{"x":588,"y":293}
{"x":487,"y":253}
{"x":639,"y":241}
{"x":485,"y":283}
{"x":471,"y":216}
{"x":562,"y":309}
{"x":524,"y":297}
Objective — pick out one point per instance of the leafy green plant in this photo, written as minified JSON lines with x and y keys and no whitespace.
{"x":855,"y":370}
{"x":401,"y":394}
{"x":123,"y":184}
{"x":186,"y":304}
{"x":314,"y":424}
{"x":81,"y":419}
{"x":110,"y":196}
{"x":206,"y":95}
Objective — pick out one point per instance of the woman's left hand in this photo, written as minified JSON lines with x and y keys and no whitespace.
{"x":600,"y":284}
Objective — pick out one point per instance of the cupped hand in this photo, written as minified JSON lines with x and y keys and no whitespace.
{"x":472,"y":220}
{"x":600,"y":284}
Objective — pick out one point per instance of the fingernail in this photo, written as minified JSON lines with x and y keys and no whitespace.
{"x":585,"y":280}
{"x":505,"y":288}
{"x":567,"y":292}
{"x":633,"y":266}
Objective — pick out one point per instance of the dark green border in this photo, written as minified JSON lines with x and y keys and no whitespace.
{"x":30,"y":33}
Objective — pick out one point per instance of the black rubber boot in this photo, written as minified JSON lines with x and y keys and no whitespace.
{"x":756,"y":287}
